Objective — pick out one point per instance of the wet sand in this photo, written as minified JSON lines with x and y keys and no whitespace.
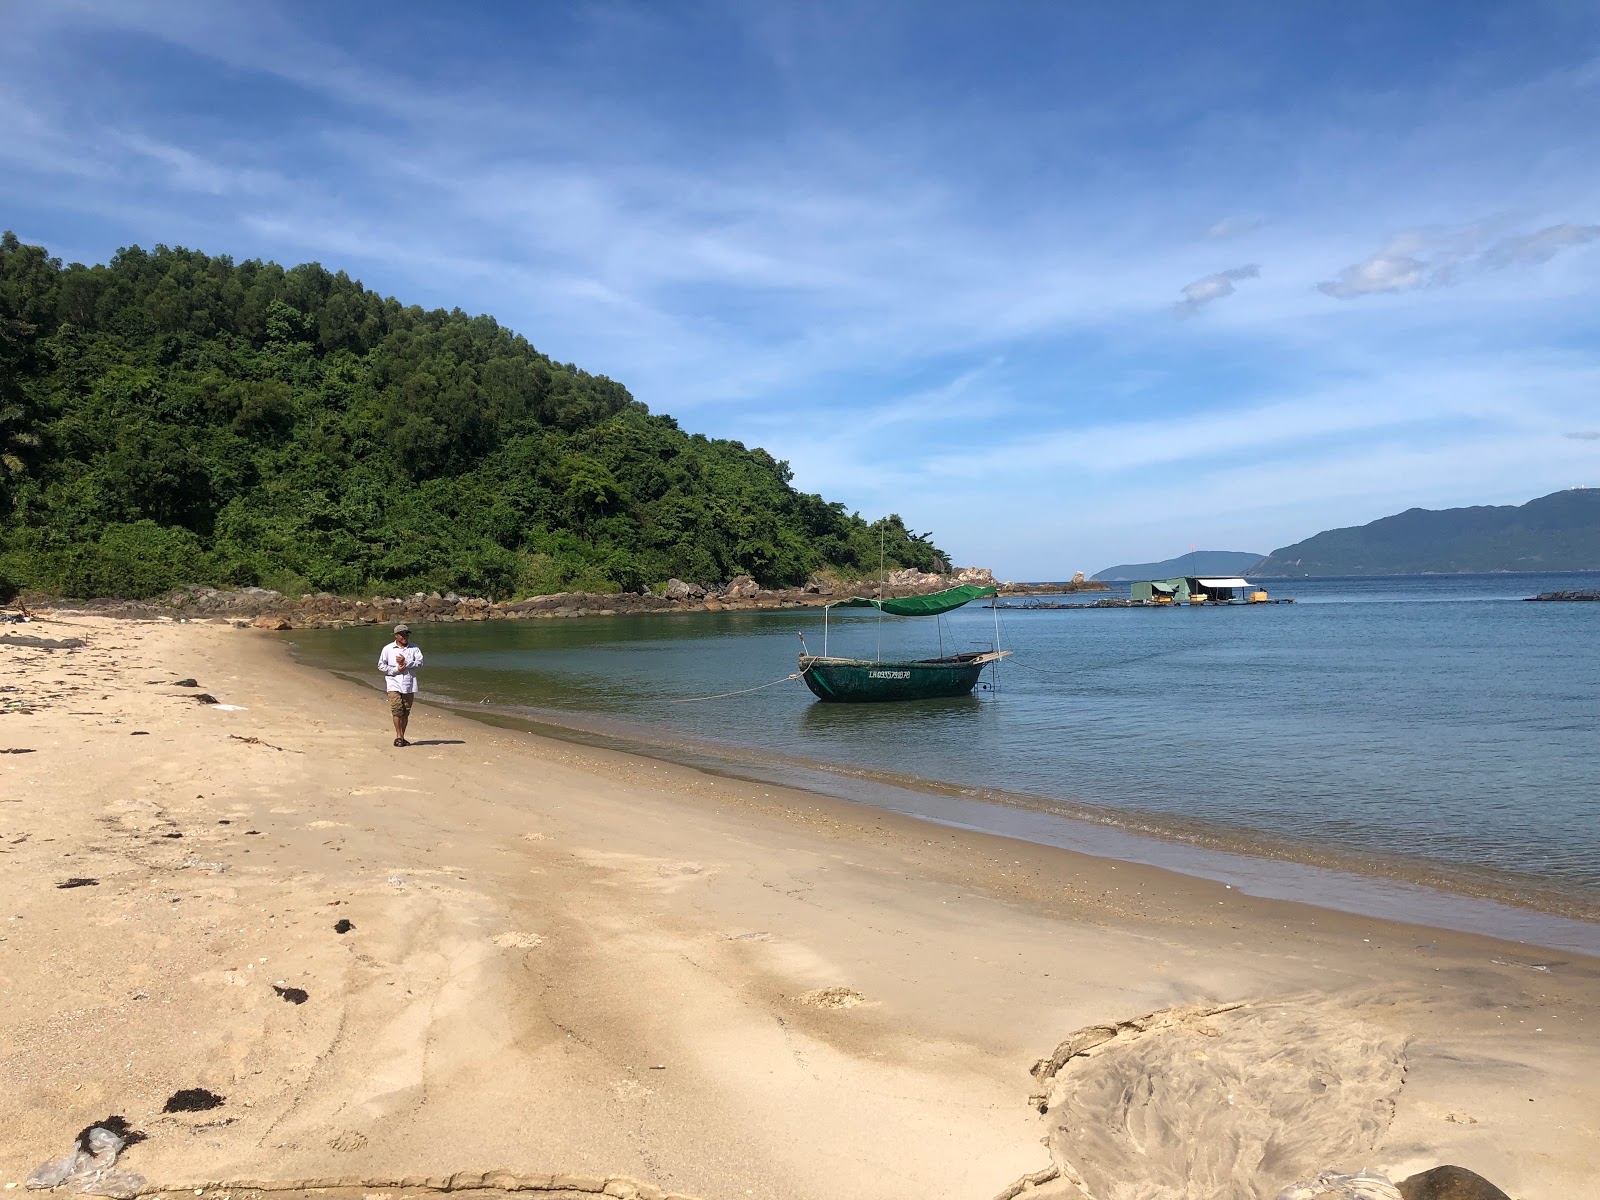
{"x":565,"y":961}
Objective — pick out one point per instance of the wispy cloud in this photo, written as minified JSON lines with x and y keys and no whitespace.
{"x":1236,"y":226}
{"x":1539,"y":247}
{"x":780,"y":227}
{"x":1585,"y":435}
{"x":1208,"y":288}
{"x":1421,"y":260}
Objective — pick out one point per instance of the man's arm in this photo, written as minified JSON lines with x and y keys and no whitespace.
{"x":417,"y":661}
{"x":386,"y":663}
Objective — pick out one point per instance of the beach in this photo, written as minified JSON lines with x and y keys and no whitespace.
{"x":594,"y":971}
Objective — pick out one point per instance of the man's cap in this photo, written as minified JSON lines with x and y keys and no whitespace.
{"x":402,"y":629}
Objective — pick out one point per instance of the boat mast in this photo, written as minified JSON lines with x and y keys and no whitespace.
{"x":880,"y":594}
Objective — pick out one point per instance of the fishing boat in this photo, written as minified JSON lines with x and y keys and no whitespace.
{"x":854,"y":680}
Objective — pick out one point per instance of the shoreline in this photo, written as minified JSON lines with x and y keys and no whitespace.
{"x":565,"y":959}
{"x":1414,"y":890}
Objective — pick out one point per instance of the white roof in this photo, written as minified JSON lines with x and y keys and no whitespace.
{"x":1225,"y":583}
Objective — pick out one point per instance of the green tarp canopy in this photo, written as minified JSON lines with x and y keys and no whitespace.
{"x":930,"y":605}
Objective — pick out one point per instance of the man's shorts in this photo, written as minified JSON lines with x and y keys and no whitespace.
{"x":400,"y":703}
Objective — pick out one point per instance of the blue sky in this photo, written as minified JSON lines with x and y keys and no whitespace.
{"x":1067,"y":284}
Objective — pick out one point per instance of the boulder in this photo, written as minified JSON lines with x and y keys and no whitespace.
{"x":981,"y":576}
{"x":677,"y":589}
{"x":1449,"y":1183}
{"x":741,"y":587}
{"x":911,"y":577}
{"x":272,"y":623}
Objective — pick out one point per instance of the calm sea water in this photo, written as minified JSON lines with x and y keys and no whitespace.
{"x":1433,"y":721}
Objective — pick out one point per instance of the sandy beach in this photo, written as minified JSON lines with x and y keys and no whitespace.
{"x":585,"y":971}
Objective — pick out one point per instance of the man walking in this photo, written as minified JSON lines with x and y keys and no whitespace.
{"x":399,"y":661}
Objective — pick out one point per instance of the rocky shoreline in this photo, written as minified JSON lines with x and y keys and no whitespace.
{"x":267,"y":609}
{"x":1581,"y":594}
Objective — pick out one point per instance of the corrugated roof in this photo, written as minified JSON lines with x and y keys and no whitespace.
{"x":1225,"y":583}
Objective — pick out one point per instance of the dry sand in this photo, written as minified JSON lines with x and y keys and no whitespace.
{"x":571,"y":962}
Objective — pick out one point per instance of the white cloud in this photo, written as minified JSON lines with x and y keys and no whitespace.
{"x":1381,"y":273}
{"x":1212,"y":287}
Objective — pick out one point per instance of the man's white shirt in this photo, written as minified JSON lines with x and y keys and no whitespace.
{"x":400,"y":666}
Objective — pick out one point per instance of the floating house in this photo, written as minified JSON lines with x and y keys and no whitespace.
{"x":1194,"y":589}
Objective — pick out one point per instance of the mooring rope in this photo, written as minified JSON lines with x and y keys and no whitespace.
{"x":742,"y":692}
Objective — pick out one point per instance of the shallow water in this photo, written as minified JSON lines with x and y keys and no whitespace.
{"x":1432,"y":727}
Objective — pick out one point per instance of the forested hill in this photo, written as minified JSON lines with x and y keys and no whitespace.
{"x":1196,"y":562}
{"x":172,"y":417}
{"x":1558,"y":532}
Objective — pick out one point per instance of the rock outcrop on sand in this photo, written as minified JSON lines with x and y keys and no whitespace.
{"x":1218,"y":1102}
{"x":1449,"y":1183}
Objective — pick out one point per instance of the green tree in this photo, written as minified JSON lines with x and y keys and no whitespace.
{"x":171,"y":417}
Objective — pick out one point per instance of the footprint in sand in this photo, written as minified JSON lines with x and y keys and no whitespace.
{"x":517,"y":941}
{"x":832,"y":997}
{"x":347,"y":1140}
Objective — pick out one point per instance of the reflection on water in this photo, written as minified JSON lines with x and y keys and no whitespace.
{"x":1437,"y":718}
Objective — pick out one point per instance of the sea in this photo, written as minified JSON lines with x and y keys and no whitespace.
{"x":1423,"y":748}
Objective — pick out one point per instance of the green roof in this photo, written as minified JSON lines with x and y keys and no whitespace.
{"x":930,"y":605}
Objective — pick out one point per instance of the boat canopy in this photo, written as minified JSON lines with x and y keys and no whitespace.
{"x":930,"y":605}
{"x":1225,"y":583}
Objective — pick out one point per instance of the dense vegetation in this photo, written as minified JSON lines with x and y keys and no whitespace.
{"x":173,"y":418}
{"x":1558,"y":532}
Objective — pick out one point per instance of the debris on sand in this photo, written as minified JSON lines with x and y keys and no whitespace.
{"x":205,"y":698}
{"x":1330,"y":1185}
{"x":42,"y":643}
{"x":77,"y":882}
{"x":90,"y":1169}
{"x":192,"y":1100}
{"x":293,"y":995}
{"x":255,"y":741}
{"x":517,"y":941}
{"x":342,"y":926}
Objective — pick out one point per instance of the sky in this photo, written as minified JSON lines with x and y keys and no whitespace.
{"x":1067,"y":285}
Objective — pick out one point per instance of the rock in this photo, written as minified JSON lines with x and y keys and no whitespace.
{"x":677,"y":589}
{"x":1077,"y":577}
{"x":272,"y":623}
{"x":1449,"y":1183}
{"x":981,"y":576}
{"x":741,"y":587}
{"x":911,"y":577}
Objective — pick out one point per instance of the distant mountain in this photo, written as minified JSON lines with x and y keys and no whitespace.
{"x":1558,"y":532}
{"x":1200,"y":562}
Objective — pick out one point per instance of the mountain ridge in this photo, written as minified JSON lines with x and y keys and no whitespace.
{"x":1556,"y":532}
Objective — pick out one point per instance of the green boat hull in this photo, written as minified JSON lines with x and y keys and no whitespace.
{"x":855,"y":680}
